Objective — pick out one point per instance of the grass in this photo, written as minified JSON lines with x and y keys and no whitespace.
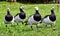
{"x":22,"y":30}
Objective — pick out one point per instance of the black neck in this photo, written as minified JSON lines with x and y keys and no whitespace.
{"x":8,"y":12}
{"x":37,"y":12}
{"x":21,"y":10}
{"x":52,"y":11}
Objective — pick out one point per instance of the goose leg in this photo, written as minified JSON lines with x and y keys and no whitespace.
{"x":31,"y":26}
{"x":51,"y":25}
{"x":6,"y":25}
{"x":36,"y":26}
{"x":26,"y":24}
{"x":17,"y":23}
{"x":12,"y":24}
{"x":46,"y":25}
{"x":22,"y":22}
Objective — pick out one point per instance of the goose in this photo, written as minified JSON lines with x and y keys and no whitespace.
{"x":20,"y":16}
{"x":8,"y":18}
{"x":49,"y":19}
{"x":34,"y":19}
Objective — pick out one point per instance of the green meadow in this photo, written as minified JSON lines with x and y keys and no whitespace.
{"x":22,"y":30}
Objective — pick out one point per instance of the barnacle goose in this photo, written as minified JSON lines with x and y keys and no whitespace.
{"x":34,"y":18}
{"x":49,"y":19}
{"x":8,"y":18}
{"x":20,"y":16}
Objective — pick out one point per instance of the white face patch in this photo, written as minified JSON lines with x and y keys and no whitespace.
{"x":36,"y":8}
{"x":8,"y":9}
{"x":22,"y":7}
{"x":52,"y":8}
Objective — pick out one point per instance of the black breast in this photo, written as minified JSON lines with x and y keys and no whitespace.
{"x":22,"y":15}
{"x":52,"y":17}
{"x":8,"y":18}
{"x":37,"y":17}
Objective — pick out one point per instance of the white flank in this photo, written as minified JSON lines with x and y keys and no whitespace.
{"x":17,"y":19}
{"x":47,"y":20}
